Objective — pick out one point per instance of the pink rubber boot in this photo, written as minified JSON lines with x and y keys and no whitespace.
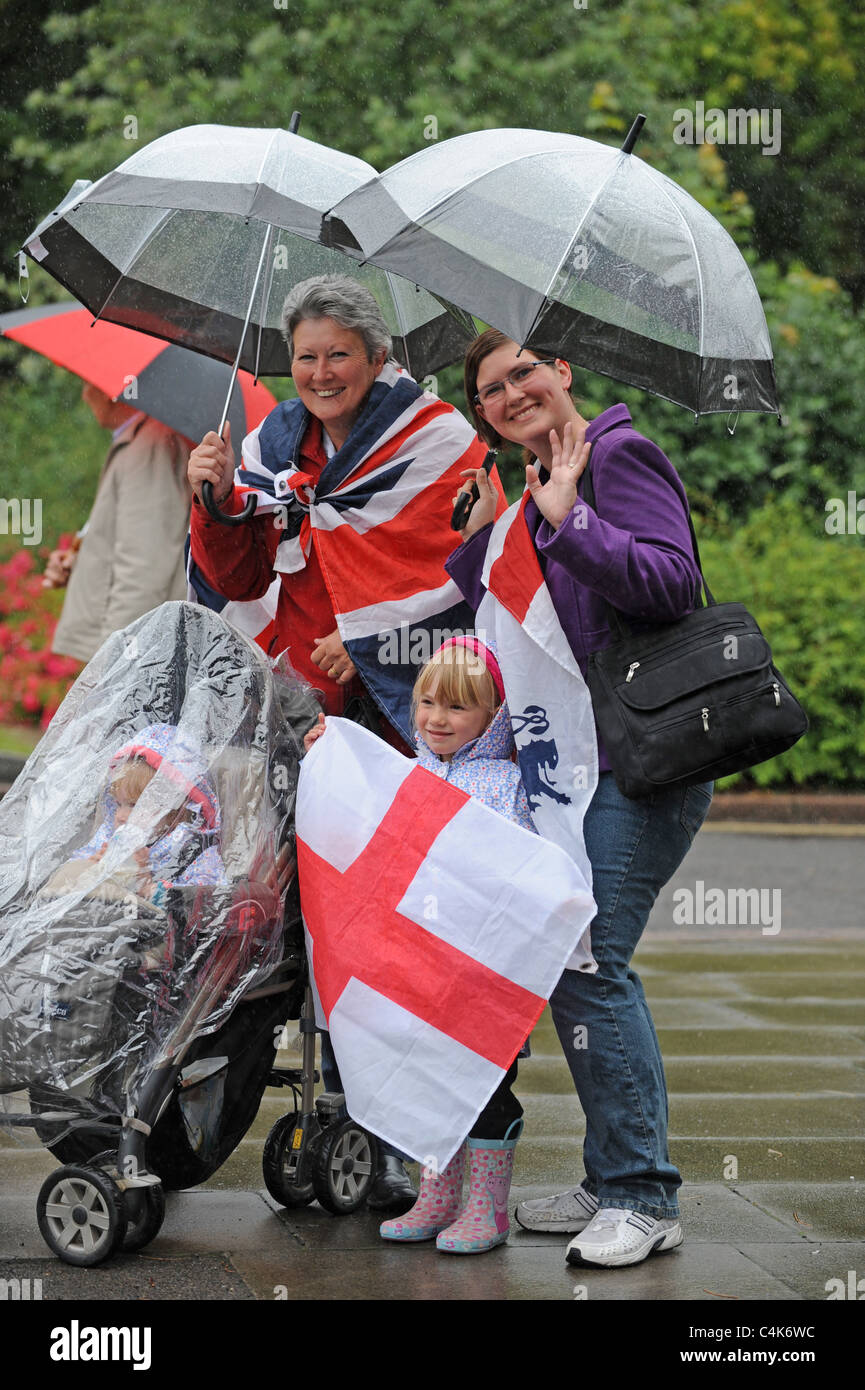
{"x":438,"y":1202}
{"x":483,"y":1222}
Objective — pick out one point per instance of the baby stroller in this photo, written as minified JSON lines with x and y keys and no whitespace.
{"x":139,"y":1020}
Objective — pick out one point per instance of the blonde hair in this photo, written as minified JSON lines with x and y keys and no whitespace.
{"x":461,"y":677}
{"x":131,"y":778}
{"x":130,"y":781}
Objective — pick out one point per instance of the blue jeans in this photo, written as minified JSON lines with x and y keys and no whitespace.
{"x":603,"y":1020}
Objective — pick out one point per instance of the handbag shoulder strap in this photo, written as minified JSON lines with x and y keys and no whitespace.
{"x":613,"y":615}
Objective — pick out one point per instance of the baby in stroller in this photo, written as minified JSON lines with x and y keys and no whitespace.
{"x":147,"y":965}
{"x":185,"y":849}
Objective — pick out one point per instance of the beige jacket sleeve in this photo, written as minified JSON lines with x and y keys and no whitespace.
{"x":131,"y":555}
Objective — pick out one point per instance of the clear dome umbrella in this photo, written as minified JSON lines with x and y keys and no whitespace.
{"x":198,"y":237}
{"x":578,"y":249}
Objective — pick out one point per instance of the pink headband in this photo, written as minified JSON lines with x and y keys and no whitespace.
{"x":474,"y":644}
{"x":158,"y":763}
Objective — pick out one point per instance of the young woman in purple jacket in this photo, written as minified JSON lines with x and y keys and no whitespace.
{"x":634,"y":552}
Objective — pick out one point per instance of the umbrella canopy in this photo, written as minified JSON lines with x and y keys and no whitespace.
{"x":182,"y":389}
{"x":187,"y":232}
{"x":580,"y":249}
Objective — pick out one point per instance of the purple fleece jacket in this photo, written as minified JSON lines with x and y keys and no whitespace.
{"x":634,"y":552}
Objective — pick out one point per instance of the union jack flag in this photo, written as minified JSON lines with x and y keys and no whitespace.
{"x":380,"y":513}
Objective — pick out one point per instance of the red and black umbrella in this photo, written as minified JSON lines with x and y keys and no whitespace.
{"x":183,"y":389}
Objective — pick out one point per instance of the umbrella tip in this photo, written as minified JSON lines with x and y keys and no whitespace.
{"x":294,"y":122}
{"x":633,"y":133}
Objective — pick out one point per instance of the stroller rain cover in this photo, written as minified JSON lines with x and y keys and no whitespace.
{"x":131,"y":926}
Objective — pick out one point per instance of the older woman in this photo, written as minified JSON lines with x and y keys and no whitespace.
{"x":355,"y":480}
{"x":634,"y":552}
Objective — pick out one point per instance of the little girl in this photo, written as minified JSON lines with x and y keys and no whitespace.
{"x":464,"y":736}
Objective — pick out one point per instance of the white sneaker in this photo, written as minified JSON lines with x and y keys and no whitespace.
{"x":568,"y":1212}
{"x":617,"y":1237}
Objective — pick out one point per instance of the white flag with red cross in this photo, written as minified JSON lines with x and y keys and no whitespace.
{"x":436,"y":931}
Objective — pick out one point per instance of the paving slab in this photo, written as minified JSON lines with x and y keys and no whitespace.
{"x":766,"y":1041}
{"x":789,"y":985}
{"x":132,"y":1278}
{"x":823,"y":1013}
{"x":825,"y":1211}
{"x":516,"y":1272}
{"x":775,"y":1116}
{"x":787,"y":1160}
{"x":688,"y":1075}
{"x":750,"y":959}
{"x":809,"y":1268}
{"x":542,"y":1075}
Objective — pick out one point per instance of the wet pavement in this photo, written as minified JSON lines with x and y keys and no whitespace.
{"x":763,"y":1035}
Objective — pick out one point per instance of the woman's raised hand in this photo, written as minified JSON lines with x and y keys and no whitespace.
{"x":212,"y":462}
{"x":484,"y":510}
{"x":555,"y":498}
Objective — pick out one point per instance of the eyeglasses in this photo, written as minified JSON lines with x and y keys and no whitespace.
{"x":518,"y":377}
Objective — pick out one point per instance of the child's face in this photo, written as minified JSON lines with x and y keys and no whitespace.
{"x":445,"y":727}
{"x":125,"y":807}
{"x":126,"y":792}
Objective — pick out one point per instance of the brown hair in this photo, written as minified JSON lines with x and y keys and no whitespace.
{"x":460,"y":677}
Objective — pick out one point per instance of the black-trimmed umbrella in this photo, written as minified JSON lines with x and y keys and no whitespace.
{"x":207,"y":229}
{"x":579,"y":249}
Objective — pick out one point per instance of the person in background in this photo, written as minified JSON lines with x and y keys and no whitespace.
{"x":129,"y":557}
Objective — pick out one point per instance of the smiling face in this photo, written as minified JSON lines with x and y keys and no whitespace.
{"x":444,"y":722}
{"x":332,"y":373}
{"x":525,"y":413}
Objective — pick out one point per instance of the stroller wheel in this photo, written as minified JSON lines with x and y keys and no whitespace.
{"x":146,"y":1213}
{"x":276,"y":1165}
{"x":81,"y":1214}
{"x":344,"y":1167}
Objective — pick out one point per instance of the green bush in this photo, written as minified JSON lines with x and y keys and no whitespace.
{"x":804,"y":587}
{"x":53,"y":448}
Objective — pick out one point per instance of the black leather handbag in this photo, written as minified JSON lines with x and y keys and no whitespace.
{"x":691,"y":700}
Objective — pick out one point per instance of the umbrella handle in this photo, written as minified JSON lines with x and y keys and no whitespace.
{"x":466,"y":500}
{"x":226,"y":518}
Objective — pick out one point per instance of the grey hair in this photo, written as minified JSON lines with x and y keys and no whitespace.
{"x":342,"y":299}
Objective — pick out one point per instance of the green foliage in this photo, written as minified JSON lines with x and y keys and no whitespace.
{"x":52,"y":448}
{"x":804,"y":587}
{"x":816,"y":452}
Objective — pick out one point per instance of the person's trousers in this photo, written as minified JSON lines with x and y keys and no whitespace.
{"x":603,"y":1020}
{"x":500,"y":1111}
